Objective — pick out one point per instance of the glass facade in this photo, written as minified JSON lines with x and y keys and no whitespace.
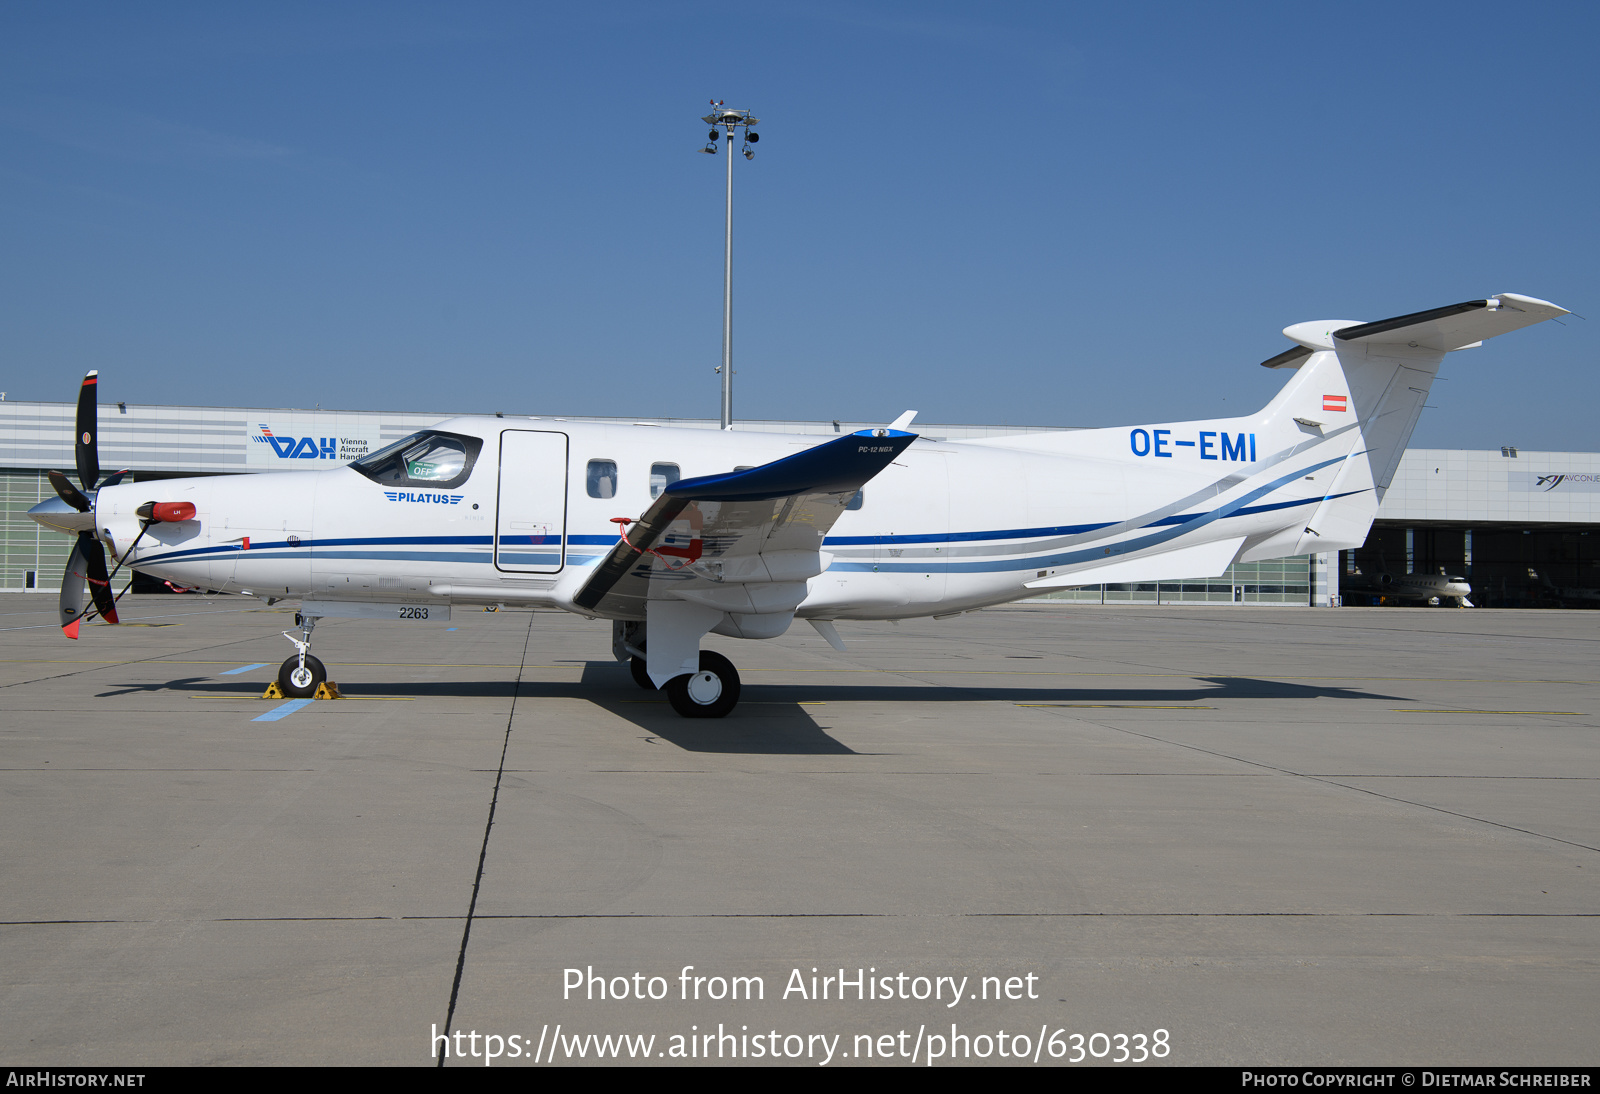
{"x":26,"y":547}
{"x":1279,"y":581}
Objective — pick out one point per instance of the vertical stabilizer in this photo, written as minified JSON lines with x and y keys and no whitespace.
{"x":1358,"y":391}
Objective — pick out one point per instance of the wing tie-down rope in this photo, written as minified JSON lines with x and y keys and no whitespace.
{"x":690,"y":554}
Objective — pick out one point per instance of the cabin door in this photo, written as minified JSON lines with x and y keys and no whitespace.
{"x":531,"y":509}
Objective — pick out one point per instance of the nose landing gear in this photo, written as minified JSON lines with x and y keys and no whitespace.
{"x":301,"y":675}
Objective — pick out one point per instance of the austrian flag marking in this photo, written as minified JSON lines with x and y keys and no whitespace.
{"x":1335,"y":402}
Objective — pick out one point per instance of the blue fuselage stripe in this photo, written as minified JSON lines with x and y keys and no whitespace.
{"x":382,"y":547}
{"x":1185,"y":525}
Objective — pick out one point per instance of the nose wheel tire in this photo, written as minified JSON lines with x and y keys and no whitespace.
{"x":301,"y":683}
{"x":710,"y":693}
{"x":641,"y":673}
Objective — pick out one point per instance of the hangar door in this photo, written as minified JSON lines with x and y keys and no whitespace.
{"x":531,"y":511}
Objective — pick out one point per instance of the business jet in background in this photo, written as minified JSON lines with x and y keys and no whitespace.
{"x":1433,"y":589}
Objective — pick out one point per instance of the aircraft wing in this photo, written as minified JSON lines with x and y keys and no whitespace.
{"x":741,"y":539}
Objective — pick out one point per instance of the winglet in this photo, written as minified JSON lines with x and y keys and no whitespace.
{"x":904,"y":421}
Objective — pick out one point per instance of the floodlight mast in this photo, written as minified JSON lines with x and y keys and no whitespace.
{"x":731,"y":121}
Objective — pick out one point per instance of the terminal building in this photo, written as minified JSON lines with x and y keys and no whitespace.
{"x":1516,"y":525}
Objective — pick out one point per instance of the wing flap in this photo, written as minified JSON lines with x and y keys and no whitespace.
{"x":761,"y":525}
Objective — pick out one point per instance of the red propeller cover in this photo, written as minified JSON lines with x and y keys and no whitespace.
{"x":172,"y":511}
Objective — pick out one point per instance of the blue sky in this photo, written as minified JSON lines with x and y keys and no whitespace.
{"x":1047,"y":214}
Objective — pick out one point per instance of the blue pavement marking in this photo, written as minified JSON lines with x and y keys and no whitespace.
{"x":452,"y":628}
{"x":284,"y":711}
{"x":242,"y":668}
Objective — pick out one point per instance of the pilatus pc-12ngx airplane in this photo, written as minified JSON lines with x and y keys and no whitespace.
{"x":673,"y":533}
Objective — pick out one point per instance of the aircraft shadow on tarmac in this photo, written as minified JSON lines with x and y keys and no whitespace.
{"x":760,"y":724}
{"x":779,"y":719}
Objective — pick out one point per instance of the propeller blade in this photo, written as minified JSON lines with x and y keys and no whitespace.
{"x":87,"y":566}
{"x":87,"y":442}
{"x":113,"y":479}
{"x":99,"y":581}
{"x":68,"y":492}
{"x":72,"y":583}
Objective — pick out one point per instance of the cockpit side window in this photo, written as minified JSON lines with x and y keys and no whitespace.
{"x":429,"y":459}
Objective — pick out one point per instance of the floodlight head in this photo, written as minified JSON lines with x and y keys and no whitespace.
{"x":749,"y":155}
{"x":752,"y":136}
{"x":710,"y":150}
{"x":713,"y":135}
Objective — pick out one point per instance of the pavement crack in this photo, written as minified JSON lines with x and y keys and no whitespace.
{"x":488,"y":829}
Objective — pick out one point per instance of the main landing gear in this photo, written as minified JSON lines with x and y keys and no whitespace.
{"x":640,"y":668}
{"x":710,"y":693}
{"x":301,"y":675}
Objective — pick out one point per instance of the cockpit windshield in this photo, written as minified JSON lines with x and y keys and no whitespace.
{"x":427,"y":459}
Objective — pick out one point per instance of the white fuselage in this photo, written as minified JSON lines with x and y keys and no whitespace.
{"x":947,"y":527}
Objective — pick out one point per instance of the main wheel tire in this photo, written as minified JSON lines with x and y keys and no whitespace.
{"x":298,"y":683}
{"x":710,"y":693}
{"x":641,"y":673}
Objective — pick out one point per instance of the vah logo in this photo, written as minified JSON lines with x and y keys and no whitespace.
{"x":299,"y":448}
{"x":416,"y":495}
{"x":342,"y":449}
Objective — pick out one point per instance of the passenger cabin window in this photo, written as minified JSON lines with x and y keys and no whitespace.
{"x":602,"y":479}
{"x":441,"y":461}
{"x":662,"y":475}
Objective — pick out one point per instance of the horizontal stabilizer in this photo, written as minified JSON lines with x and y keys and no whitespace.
{"x":1289,"y":358}
{"x":1453,"y":327}
{"x":1457,"y":326}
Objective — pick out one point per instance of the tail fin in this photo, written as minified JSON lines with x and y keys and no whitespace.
{"x":1368,"y":382}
